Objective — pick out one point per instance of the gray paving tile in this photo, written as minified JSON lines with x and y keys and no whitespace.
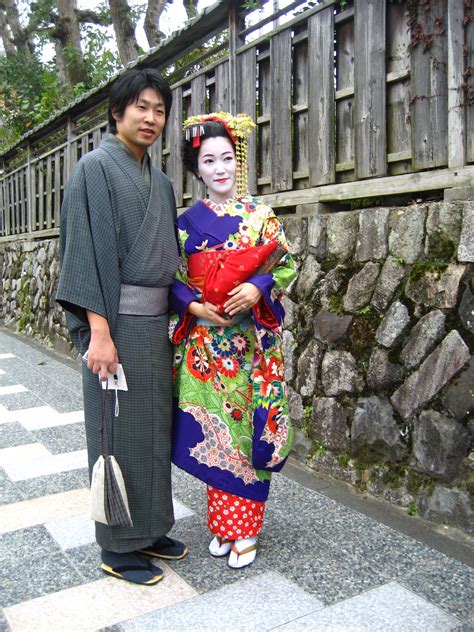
{"x":9,"y":492}
{"x":13,"y":434}
{"x":53,"y":483}
{"x":25,"y":544}
{"x":86,"y":560}
{"x":450,"y":585}
{"x":60,"y":439}
{"x":4,"y":627}
{"x":41,"y":576}
{"x":229,"y":608}
{"x":389,"y":608}
{"x":18,"y":401}
{"x":189,"y":490}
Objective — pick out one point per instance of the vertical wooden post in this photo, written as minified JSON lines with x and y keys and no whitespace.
{"x":69,"y":159}
{"x":29,"y":191}
{"x":280,"y":109}
{"x":2,"y":198}
{"x":235,"y":25}
{"x":369,"y":89}
{"x":456,"y":115}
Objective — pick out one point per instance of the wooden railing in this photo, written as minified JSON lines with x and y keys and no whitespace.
{"x":348,"y":104}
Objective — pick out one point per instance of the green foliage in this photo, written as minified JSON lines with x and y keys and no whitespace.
{"x":412,"y":509}
{"x":100,"y":63}
{"x":419,"y":269}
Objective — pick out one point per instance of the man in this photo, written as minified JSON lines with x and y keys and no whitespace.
{"x":119,"y":256}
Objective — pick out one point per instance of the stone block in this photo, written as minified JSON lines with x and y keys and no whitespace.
{"x":329,"y":327}
{"x":407,"y":231}
{"x":437,"y":288}
{"x":329,"y":286}
{"x":459,"y":396}
{"x":372,"y":239}
{"x":342,"y":231}
{"x":361,"y":287}
{"x":466,"y":310}
{"x":289,"y":345}
{"x":439,"y":445}
{"x":422,"y":339}
{"x":308,"y":367}
{"x":443,"y":228}
{"x":449,"y":506}
{"x":308,"y":278}
{"x":375,"y":427}
{"x":383,"y":374}
{"x":389,"y":279}
{"x":434,"y":373}
{"x":295,"y":232}
{"x":295,"y":405}
{"x":302,"y":445}
{"x":459,"y":193}
{"x":466,"y":242}
{"x":291,"y":312}
{"x":317,"y":235}
{"x":329,"y":422}
{"x":393,"y":325}
{"x":339,"y":374}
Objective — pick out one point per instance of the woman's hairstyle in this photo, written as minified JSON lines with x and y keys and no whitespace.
{"x":128,"y":87}
{"x":190,"y":153}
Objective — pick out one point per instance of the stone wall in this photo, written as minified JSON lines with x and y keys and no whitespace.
{"x":30,"y":272}
{"x":379,"y":339}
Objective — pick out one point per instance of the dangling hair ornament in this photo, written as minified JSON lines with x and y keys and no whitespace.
{"x":239,"y":127}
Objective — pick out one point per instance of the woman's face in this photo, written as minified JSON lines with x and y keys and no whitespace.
{"x":217,"y":167}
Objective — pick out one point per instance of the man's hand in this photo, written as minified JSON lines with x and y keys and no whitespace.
{"x":209,"y":312}
{"x":102,"y":355}
{"x":243,"y":298}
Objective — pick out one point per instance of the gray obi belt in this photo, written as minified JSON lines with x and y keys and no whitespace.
{"x":138,"y":300}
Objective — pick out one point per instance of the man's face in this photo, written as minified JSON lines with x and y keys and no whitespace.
{"x":142,"y":122}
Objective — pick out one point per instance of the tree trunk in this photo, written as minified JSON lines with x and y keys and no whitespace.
{"x":68,"y":35}
{"x":190,"y":6}
{"x":124,"y":31}
{"x":7,"y":39}
{"x":20,"y":37}
{"x":154,"y":10}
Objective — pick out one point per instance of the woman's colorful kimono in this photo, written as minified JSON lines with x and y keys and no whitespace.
{"x":231,"y":426}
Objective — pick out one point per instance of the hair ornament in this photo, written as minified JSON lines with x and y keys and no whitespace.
{"x":238,"y":126}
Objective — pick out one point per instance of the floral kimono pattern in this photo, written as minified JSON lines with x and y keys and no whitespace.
{"x":232,"y":427}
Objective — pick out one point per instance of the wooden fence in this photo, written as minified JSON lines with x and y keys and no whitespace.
{"x":370,"y":100}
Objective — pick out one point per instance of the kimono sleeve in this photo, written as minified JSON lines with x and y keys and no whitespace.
{"x":269,"y":311}
{"x":79,"y":287}
{"x":181,"y":295}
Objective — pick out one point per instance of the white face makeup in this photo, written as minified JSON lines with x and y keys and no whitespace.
{"x":217,"y":167}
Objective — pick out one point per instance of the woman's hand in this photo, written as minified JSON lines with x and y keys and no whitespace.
{"x":243,"y":298}
{"x":209,"y":312}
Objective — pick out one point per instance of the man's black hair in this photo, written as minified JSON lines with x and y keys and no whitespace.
{"x":211,"y":129}
{"x":128,"y":87}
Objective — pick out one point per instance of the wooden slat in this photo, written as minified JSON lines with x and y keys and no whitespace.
{"x":24,"y":199}
{"x":369,"y":84}
{"x":33,"y":200}
{"x":345,"y":84}
{"x":40,"y":216}
{"x":468,"y":95}
{"x":49,"y":192}
{"x":264,"y":106}
{"x":2,"y":208}
{"x":397,"y":78}
{"x":57,"y":189}
{"x":321,"y":98}
{"x":16,"y":201}
{"x":429,"y":101}
{"x":456,"y":113}
{"x":173,"y":136}
{"x":198,"y":106}
{"x":6,"y":190}
{"x":247,"y":103}
{"x":280,"y":110}
{"x":221,"y":95}
{"x":300,"y":109}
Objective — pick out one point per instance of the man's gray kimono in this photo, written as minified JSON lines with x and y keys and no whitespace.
{"x":117,"y":227}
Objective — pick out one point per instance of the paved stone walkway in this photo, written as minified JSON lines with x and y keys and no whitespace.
{"x":322,"y":566}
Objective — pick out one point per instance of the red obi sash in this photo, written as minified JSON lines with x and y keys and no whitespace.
{"x":216,"y":272}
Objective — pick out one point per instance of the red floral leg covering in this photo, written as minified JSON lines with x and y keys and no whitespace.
{"x":233,"y":517}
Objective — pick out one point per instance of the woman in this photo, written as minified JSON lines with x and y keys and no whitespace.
{"x":232,"y":427}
